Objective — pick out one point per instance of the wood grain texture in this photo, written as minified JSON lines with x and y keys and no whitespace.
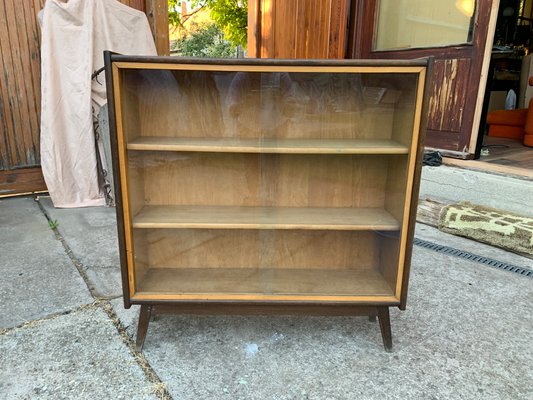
{"x":263,"y":281}
{"x":25,"y":180}
{"x":243,"y":248}
{"x":216,"y":217}
{"x":448,"y":94}
{"x":268,"y":65}
{"x":137,"y":4}
{"x":272,"y":180}
{"x":157,"y":13}
{"x":281,"y":146}
{"x":120,"y":198}
{"x":300,"y":29}
{"x":121,"y":172}
{"x":428,"y":211}
{"x":208,"y":300}
{"x":267,"y":308}
{"x":19,"y":86}
{"x":254,"y":28}
{"x":244,"y":105}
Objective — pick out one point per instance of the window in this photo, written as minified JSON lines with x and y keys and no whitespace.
{"x":406,"y":24}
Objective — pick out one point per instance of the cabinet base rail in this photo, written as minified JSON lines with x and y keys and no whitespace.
{"x":379,"y":311}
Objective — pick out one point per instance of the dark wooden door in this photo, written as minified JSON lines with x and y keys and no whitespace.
{"x":456,"y":76}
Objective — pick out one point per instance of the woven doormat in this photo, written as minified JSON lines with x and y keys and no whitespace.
{"x":488,"y":225}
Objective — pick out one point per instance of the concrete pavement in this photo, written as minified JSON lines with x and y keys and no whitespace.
{"x":466,"y":333}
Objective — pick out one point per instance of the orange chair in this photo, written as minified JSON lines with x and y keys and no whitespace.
{"x":513,"y":124}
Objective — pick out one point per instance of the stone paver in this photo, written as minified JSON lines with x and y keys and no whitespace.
{"x":75,"y":356}
{"x":38,"y":278}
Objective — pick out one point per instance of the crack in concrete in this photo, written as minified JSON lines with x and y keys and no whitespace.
{"x":159,"y":387}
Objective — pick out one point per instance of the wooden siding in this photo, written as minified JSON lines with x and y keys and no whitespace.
{"x":297,"y":28}
{"x":20,"y":95}
{"x":19,"y":84}
{"x":21,"y":180}
{"x":138,"y":4}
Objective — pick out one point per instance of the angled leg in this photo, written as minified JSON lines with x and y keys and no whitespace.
{"x":384,"y":325}
{"x":142,"y":328}
{"x":372,"y":318}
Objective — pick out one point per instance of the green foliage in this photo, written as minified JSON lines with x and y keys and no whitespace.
{"x":230,"y":15}
{"x":174,"y":14}
{"x":53,"y":224}
{"x":206,"y":42}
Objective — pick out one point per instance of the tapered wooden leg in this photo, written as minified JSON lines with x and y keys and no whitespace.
{"x":384,"y":325}
{"x":142,"y":328}
{"x":372,"y":318}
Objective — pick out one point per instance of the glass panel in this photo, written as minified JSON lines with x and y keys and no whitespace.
{"x":267,"y":183}
{"x":406,"y":24}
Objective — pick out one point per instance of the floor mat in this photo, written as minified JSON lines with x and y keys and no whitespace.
{"x":488,"y":225}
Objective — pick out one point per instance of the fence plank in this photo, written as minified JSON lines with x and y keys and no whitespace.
{"x":300,"y":29}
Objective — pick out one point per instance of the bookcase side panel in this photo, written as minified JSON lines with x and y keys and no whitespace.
{"x":389,"y":254}
{"x":131,"y":98}
{"x":404,"y":113}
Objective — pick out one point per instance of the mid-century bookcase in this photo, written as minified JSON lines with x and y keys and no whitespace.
{"x":266,"y":186}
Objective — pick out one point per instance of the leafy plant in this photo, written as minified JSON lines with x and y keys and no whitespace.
{"x":230,"y":15}
{"x":206,"y":42}
{"x":53,"y":223}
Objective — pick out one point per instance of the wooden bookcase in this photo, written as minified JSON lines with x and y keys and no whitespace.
{"x":266,"y":186}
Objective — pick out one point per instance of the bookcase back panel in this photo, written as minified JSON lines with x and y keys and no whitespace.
{"x":242,"y":248}
{"x":171,"y":178}
{"x":299,"y":105}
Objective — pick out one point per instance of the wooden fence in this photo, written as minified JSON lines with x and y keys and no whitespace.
{"x":20,"y":89}
{"x":297,"y":28}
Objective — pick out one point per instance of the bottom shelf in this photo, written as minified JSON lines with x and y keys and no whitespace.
{"x":261,"y":282}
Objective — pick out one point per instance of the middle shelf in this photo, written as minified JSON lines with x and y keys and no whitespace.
{"x":230,"y":217}
{"x":280,"y":146}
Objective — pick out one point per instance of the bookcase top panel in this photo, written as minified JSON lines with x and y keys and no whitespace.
{"x":168,"y":62}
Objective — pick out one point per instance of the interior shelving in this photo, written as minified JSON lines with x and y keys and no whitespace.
{"x":259,"y":184}
{"x":228,"y":217}
{"x":289,"y":146}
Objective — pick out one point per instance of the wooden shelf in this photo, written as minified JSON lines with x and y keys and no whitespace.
{"x":225,"y":217}
{"x":285,"y":146}
{"x":263,"y":281}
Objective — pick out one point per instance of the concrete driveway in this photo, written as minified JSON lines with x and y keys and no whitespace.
{"x":64,"y":333}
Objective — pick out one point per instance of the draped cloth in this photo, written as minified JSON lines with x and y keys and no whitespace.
{"x":74,"y":35}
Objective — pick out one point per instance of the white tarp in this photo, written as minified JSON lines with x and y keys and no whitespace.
{"x":74,"y":35}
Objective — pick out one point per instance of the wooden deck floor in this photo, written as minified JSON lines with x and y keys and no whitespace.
{"x":505,"y":156}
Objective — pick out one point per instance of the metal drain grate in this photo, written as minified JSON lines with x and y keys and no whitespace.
{"x":473,"y":257}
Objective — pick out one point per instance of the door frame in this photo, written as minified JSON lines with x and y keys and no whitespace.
{"x":362,"y":26}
